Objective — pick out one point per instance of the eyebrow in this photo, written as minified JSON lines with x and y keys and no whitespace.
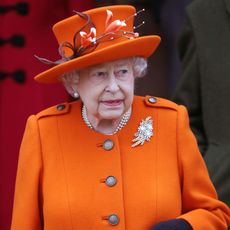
{"x":96,"y":67}
{"x":122,"y":64}
{"x":100,"y":66}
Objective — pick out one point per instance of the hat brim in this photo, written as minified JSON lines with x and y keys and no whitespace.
{"x":142,"y":46}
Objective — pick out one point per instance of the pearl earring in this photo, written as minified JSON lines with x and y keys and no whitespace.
{"x":75,"y":94}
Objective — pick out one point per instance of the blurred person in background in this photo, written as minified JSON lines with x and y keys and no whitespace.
{"x":204,"y":86}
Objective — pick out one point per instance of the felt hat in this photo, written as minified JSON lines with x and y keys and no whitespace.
{"x":95,"y":36}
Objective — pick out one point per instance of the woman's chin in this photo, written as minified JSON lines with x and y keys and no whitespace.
{"x":111,"y":115}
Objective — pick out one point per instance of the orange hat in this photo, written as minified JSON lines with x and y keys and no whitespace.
{"x":96,"y":36}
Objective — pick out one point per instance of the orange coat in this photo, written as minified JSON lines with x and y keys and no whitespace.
{"x":63,"y":165}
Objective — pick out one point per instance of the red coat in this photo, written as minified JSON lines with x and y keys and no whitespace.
{"x":63,"y":167}
{"x":18,"y":100}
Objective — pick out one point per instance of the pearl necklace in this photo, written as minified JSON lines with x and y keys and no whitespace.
{"x":123,"y":122}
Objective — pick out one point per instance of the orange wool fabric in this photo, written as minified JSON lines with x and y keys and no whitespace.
{"x":62,"y":167}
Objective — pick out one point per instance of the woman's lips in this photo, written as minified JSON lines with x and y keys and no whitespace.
{"x":112,"y":102}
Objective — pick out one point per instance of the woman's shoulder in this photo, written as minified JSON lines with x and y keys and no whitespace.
{"x":57,"y":110}
{"x":156,"y":102}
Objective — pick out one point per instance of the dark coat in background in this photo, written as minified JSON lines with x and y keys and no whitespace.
{"x":204,"y":86}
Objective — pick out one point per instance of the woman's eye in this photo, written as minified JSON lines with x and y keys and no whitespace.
{"x":100,"y":74}
{"x":121,"y":72}
{"x":124,"y":71}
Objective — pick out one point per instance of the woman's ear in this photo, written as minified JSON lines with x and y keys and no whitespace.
{"x":70,"y":81}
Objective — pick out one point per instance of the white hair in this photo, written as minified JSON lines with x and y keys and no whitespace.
{"x":70,"y":79}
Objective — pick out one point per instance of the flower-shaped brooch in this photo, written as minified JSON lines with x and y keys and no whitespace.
{"x":144,"y":132}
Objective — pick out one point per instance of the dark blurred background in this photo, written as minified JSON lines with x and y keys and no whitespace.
{"x":25,"y":30}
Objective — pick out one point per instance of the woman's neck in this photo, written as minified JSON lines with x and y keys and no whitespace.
{"x":105,"y":126}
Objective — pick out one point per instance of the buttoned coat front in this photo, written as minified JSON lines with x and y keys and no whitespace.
{"x":63,"y":167}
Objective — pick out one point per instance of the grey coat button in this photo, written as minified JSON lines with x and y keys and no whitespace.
{"x":108,"y":145}
{"x":60,"y":107}
{"x":110,"y":181}
{"x":113,"y":219}
{"x":152,"y":100}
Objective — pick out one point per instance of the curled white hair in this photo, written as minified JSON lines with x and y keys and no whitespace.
{"x":139,"y":66}
{"x":70,"y":79}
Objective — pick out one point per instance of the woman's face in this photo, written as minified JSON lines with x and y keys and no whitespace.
{"x":107,"y":89}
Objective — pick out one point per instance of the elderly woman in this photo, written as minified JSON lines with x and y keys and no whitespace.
{"x":110,"y":159}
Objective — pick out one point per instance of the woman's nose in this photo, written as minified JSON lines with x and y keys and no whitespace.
{"x":112,"y":84}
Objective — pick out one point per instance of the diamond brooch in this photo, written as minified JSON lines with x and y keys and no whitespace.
{"x":144,"y":132}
